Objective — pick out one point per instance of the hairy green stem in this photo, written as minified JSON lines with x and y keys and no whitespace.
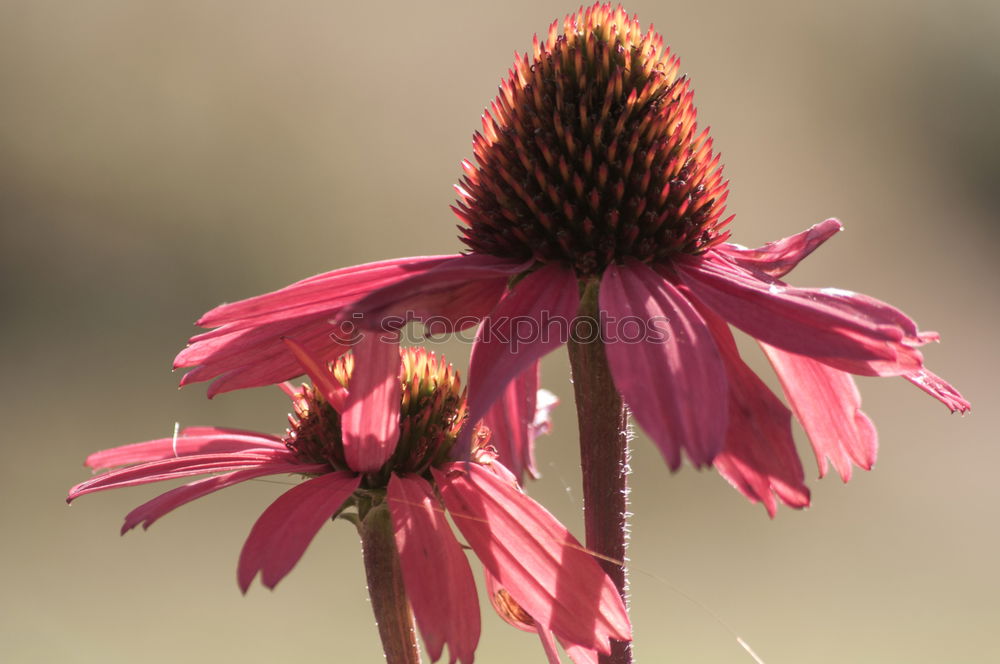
{"x":385,"y":587}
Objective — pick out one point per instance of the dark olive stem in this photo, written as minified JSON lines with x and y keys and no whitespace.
{"x":385,"y":587}
{"x":603,"y":422}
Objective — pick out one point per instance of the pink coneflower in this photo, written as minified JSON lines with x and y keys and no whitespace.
{"x":594,"y":194}
{"x":379,"y":451}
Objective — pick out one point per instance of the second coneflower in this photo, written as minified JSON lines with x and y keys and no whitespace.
{"x":378,"y":452}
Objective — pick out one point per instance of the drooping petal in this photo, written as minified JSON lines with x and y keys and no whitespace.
{"x":940,"y":389}
{"x":370,"y":420}
{"x":776,"y":259}
{"x":231,"y":347}
{"x":151,"y":511}
{"x":190,"y":441}
{"x":828,"y":405}
{"x":283,"y":532}
{"x":672,"y":377}
{"x":580,"y":654}
{"x":436,"y":571}
{"x":859,"y":333}
{"x":256,"y":356}
{"x":514,"y":614}
{"x":509,"y":611}
{"x":511,"y":420}
{"x":178,"y":468}
{"x":246,"y":349}
{"x":545,"y":569}
{"x":759,"y":458}
{"x":454,"y":295}
{"x":548,"y":645}
{"x":531,"y":321}
{"x":320,"y":294}
{"x":333,"y":391}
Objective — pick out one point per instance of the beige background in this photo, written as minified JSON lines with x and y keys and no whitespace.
{"x":159,"y":158}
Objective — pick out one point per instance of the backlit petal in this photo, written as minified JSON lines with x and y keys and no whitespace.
{"x":246,"y":349}
{"x":759,"y":458}
{"x":436,"y":571}
{"x":860,"y":333}
{"x":776,"y":259}
{"x":332,"y":390}
{"x":256,"y":357}
{"x":178,"y":468}
{"x":534,"y":557}
{"x":531,"y":321}
{"x":828,"y":405}
{"x":190,"y":441}
{"x":454,"y":295}
{"x":320,"y":294}
{"x":940,"y":389}
{"x":370,"y":420}
{"x":511,"y":420}
{"x":283,"y":532}
{"x":514,"y":614}
{"x":671,"y":375}
{"x":151,"y":511}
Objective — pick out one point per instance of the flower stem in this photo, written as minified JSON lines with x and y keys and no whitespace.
{"x":385,"y":587}
{"x":603,"y":423}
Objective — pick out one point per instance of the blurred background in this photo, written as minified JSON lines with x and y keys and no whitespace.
{"x":158,"y":158}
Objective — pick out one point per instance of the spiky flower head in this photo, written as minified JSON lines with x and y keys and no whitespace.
{"x":590,"y":154}
{"x":431,"y":414}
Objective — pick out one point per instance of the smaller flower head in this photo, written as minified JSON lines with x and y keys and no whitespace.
{"x":431,"y":413}
{"x":375,"y":431}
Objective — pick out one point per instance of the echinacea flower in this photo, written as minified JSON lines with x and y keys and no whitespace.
{"x":591,"y":177}
{"x":374,"y":444}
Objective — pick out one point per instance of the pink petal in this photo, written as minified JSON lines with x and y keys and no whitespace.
{"x":580,"y":654}
{"x":674,"y":383}
{"x":170,"y":469}
{"x":255,"y":357}
{"x":320,"y":294}
{"x":199,"y":430}
{"x":283,"y":532}
{"x":861,"y":334}
{"x":230,"y":347}
{"x":759,"y":458}
{"x":370,"y":421}
{"x":193,"y":440}
{"x":776,"y":259}
{"x":246,"y":349}
{"x":436,"y":572}
{"x":333,"y":391}
{"x":514,"y":614}
{"x":548,"y":646}
{"x":454,"y":295}
{"x":940,"y":389}
{"x":530,"y":553}
{"x":509,"y":611}
{"x":151,"y":511}
{"x":828,"y":405}
{"x":531,"y":321}
{"x":511,"y":421}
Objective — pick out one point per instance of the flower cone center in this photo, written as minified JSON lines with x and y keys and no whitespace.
{"x":590,"y":154}
{"x":431,"y":414}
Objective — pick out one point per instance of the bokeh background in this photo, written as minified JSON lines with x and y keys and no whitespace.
{"x":158,"y":158}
